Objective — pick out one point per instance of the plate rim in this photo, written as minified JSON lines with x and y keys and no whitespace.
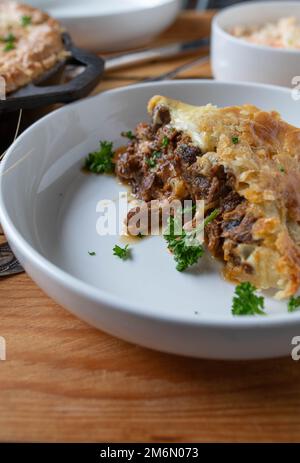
{"x":96,"y":295}
{"x":113,"y":14}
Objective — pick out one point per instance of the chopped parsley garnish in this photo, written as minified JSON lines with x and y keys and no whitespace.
{"x":9,"y":41}
{"x":282,"y":169}
{"x":211,"y":216}
{"x":235,"y":140}
{"x":101,"y":162}
{"x":185,"y":255}
{"x":26,"y":20}
{"x":165,"y":141}
{"x":92,"y":253}
{"x":122,"y":253}
{"x":9,"y":38}
{"x":184,"y":246}
{"x":9,"y":46}
{"x":128,"y":134}
{"x":246,"y":302}
{"x":151,"y":162}
{"x":293,"y":304}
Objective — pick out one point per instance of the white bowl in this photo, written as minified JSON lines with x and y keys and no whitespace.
{"x":236,"y":59}
{"x":107,"y":25}
{"x":48,"y":212}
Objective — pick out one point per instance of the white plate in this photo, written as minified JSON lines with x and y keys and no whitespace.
{"x":106,"y":25}
{"x":48,"y":211}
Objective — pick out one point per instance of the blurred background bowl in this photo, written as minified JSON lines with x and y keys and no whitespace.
{"x":236,"y":59}
{"x":108,"y":25}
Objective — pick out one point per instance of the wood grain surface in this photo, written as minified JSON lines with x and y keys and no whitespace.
{"x":65,"y":381}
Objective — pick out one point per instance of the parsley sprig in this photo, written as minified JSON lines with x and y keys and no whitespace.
{"x":122,"y":253}
{"x":165,"y":141}
{"x":184,"y":246}
{"x":246,"y":302}
{"x":9,"y":41}
{"x":26,"y":20}
{"x":101,"y":161}
{"x":128,"y":135}
{"x":151,"y":162}
{"x":293,"y":304}
{"x":185,"y":255}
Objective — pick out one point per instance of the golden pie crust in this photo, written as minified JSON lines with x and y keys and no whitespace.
{"x":36,"y":46}
{"x":262,"y":152}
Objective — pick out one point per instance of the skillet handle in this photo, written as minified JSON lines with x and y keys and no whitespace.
{"x":33,"y":95}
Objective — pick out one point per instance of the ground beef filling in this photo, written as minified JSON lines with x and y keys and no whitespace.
{"x":161,"y":162}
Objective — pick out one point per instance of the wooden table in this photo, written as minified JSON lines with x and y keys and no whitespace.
{"x":65,"y":381}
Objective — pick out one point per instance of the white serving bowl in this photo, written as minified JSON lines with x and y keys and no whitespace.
{"x":108,"y":25}
{"x":48,"y":210}
{"x":236,"y":59}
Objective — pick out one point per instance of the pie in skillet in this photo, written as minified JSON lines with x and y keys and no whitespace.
{"x":30,"y":44}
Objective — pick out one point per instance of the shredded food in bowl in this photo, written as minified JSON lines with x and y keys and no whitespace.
{"x":285,"y":33}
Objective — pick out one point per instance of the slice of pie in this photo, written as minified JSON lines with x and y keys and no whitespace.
{"x":30,"y":44}
{"x":239,"y":159}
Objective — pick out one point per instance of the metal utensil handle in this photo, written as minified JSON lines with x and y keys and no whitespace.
{"x":174,"y":72}
{"x":167,"y":51}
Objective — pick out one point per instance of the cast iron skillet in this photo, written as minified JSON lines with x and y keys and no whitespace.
{"x":36,"y":94}
{"x":35,"y":99}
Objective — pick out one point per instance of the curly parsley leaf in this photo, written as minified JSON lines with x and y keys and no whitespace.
{"x":293,"y":304}
{"x":9,"y":46}
{"x":9,"y":41}
{"x":165,"y":141}
{"x":184,"y":254}
{"x":10,"y":37}
{"x":128,"y":135}
{"x":235,"y":140}
{"x":184,"y":246}
{"x":246,"y":302}
{"x":26,"y":20}
{"x":151,"y":162}
{"x":101,"y":161}
{"x":122,"y":253}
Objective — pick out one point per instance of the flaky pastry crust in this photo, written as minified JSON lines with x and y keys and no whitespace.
{"x":262,"y":153}
{"x":36,"y":44}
